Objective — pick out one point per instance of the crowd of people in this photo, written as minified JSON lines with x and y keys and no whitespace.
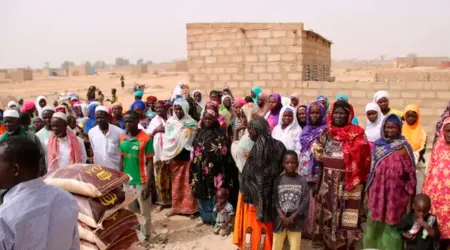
{"x":265,"y":167}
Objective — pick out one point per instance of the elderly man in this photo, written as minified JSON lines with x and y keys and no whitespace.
{"x":33,"y":215}
{"x":105,"y":140}
{"x":44,"y":133}
{"x":11,"y":119}
{"x":64,"y":147}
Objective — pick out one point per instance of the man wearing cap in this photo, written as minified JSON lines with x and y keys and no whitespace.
{"x":33,"y":216}
{"x":11,"y":119}
{"x":64,"y":147}
{"x":105,"y":140}
{"x":44,"y":133}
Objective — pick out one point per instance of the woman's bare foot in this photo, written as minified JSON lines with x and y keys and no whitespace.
{"x":170,"y":213}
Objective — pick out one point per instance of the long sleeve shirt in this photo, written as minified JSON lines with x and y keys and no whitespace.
{"x":36,"y":216}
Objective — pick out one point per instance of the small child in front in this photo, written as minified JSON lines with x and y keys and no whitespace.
{"x":291,"y":198}
{"x":224,"y":213}
{"x":420,"y":228}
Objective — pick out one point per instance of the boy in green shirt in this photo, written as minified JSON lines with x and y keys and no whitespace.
{"x":136,"y":148}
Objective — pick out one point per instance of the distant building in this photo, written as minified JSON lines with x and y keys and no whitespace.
{"x":20,"y":75}
{"x":417,"y":61}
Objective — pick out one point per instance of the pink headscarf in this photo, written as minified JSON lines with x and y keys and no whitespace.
{"x":296,"y":95}
{"x":28,"y":106}
{"x":240,"y":101}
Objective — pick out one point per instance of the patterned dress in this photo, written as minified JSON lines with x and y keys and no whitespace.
{"x":339,"y":210}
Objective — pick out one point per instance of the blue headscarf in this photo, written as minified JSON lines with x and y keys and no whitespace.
{"x":344,"y":97}
{"x":257,"y":91}
{"x":385,"y":146}
{"x":90,"y":122}
{"x":138,"y":103}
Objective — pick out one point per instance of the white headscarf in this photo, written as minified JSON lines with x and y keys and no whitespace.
{"x":373,"y":129}
{"x":290,"y":136}
{"x":380,"y":94}
{"x":179,"y":133}
{"x":12,"y":103}
{"x":202,"y":102}
{"x":178,"y":91}
{"x":38,"y":107}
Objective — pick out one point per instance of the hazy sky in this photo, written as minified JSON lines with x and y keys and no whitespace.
{"x":32,"y":32}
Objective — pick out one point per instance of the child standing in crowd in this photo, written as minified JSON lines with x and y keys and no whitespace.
{"x":224,"y":213}
{"x":420,"y":228}
{"x":291,"y":199}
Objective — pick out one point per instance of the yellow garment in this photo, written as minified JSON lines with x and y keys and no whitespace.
{"x":395,"y":111}
{"x":415,"y":134}
{"x":294,"y":238}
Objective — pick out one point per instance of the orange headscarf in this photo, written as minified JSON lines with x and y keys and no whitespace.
{"x":415,"y":134}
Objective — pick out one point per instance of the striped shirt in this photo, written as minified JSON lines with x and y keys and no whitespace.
{"x":36,"y":216}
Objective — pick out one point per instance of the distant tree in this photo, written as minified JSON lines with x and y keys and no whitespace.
{"x":140,"y":61}
{"x":67,"y":64}
{"x":382,"y":57}
{"x":122,"y":61}
{"x":47,"y":65}
{"x":149,"y":63}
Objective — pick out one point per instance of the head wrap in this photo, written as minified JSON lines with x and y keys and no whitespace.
{"x":177,"y":92}
{"x":297,"y":96}
{"x":275,"y":111}
{"x":340,"y":96}
{"x":380,"y":94}
{"x":257,"y":91}
{"x":139,"y":93}
{"x":28,"y":106}
{"x":227,"y":96}
{"x":60,"y":115}
{"x":240,"y":101}
{"x":184,"y":106}
{"x":152,"y":98}
{"x":11,"y":113}
{"x":49,"y":108}
{"x":324,"y":98}
{"x":415,"y":134}
{"x":373,"y":129}
{"x":138,"y":104}
{"x":211,"y":112}
{"x":440,"y":123}
{"x":117,"y":104}
{"x":38,"y":106}
{"x":12,"y":104}
{"x":290,"y":134}
{"x":102,"y":108}
{"x":90,"y":122}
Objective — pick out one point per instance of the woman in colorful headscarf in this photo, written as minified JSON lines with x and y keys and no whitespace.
{"x":255,"y":210}
{"x":117,"y":115}
{"x":382,"y":99}
{"x":274,"y":110}
{"x":301,"y":115}
{"x":216,"y":96}
{"x":374,"y":119}
{"x":295,"y":100}
{"x":41,"y":102}
{"x":162,"y":170}
{"x":345,"y":98}
{"x":178,"y":136}
{"x":391,"y":186}
{"x":439,"y":124}
{"x":316,"y":123}
{"x":139,"y":107}
{"x":438,"y":171}
{"x":324,"y":100}
{"x":287,"y":130}
{"x":345,"y":156}
{"x":236,"y":114}
{"x":210,"y":156}
{"x":254,"y":93}
{"x":150,"y":111}
{"x":30,"y":108}
{"x":177,"y":91}
{"x":263,"y":104}
{"x":214,"y":106}
{"x":414,"y":133}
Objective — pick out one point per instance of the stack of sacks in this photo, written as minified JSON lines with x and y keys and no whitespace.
{"x":103,"y":221}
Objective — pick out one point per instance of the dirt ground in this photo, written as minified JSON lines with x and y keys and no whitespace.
{"x":181,"y":233}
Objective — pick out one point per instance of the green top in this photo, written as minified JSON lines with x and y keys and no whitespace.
{"x":135,"y":150}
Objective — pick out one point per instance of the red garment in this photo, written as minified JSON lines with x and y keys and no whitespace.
{"x":393,"y":184}
{"x":437,"y":183}
{"x":152,"y":99}
{"x":355,"y":147}
{"x":53,"y":150}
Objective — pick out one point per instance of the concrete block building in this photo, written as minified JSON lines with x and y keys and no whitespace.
{"x":241,"y":55}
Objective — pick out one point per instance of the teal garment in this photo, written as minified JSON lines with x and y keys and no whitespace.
{"x":257,"y":91}
{"x":345,"y":98}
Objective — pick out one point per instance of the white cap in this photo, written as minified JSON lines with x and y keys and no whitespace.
{"x":60,"y":115}
{"x":102,"y":108}
{"x":12,"y":103}
{"x":49,"y":108}
{"x":11,"y":113}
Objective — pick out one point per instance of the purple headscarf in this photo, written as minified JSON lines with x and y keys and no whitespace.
{"x":138,"y":103}
{"x":275,"y":112}
{"x":310,"y":133}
